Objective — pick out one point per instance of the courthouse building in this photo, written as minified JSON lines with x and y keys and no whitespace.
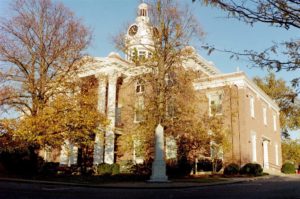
{"x":255,"y":129}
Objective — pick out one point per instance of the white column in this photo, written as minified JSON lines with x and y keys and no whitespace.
{"x":111,"y":116}
{"x":266,"y":154}
{"x":98,"y":149}
{"x":102,"y":82}
{"x":159,"y":164}
{"x":99,"y":139}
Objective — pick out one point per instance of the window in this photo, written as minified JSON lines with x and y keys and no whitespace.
{"x":143,"y":12}
{"x":68,"y":153}
{"x":252,"y":106}
{"x":215,"y":104}
{"x":276,"y":155}
{"x":253,"y":141}
{"x":139,"y":109}
{"x":47,"y":154}
{"x":142,"y":55}
{"x":216,"y":151}
{"x":132,"y":56}
{"x":170,"y":112}
{"x":274,"y":123}
{"x":171,"y":148}
{"x":265,"y":116}
{"x":118,"y":116}
{"x":139,"y":87}
{"x":138,"y":155}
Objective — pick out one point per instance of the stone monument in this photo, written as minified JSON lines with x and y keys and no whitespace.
{"x":159,"y":164}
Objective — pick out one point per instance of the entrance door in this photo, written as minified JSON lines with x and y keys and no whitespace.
{"x":266,"y":154}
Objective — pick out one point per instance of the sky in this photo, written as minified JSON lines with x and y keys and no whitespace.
{"x":107,"y":18}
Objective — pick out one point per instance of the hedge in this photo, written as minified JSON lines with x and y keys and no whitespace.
{"x":288,"y":168}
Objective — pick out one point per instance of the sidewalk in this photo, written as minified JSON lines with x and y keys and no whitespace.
{"x":140,"y":185}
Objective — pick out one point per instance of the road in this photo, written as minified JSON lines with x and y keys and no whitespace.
{"x":273,"y":188}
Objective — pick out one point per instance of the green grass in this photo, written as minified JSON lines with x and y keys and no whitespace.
{"x":121,"y":178}
{"x":200,"y":179}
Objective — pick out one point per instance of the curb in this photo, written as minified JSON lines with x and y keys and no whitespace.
{"x":140,"y":185}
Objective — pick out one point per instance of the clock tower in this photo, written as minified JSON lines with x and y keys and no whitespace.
{"x":138,"y":39}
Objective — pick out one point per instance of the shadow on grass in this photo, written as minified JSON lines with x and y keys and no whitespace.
{"x":120,"y":178}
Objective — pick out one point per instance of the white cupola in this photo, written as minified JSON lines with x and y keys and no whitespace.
{"x":138,"y":38}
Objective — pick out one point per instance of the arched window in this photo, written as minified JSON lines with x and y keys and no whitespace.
{"x":139,"y":86}
{"x":143,"y":12}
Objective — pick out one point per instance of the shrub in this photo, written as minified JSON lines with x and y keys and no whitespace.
{"x":179,"y":168}
{"x":126,"y":166}
{"x":115,"y":169}
{"x":207,"y":165}
{"x":49,"y":168}
{"x":204,"y":165}
{"x":21,"y":162}
{"x":107,"y":169}
{"x":142,"y":169}
{"x":231,"y":169}
{"x":288,"y":168}
{"x":252,"y":169}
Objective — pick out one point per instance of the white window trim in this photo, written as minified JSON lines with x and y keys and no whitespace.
{"x":137,"y":159}
{"x":254,"y":145}
{"x":252,"y":107}
{"x":139,"y":97}
{"x":171,"y":148}
{"x":274,"y":123}
{"x":139,"y":83}
{"x":276,"y":155}
{"x":142,"y":54}
{"x":209,"y":96}
{"x":265,"y":116}
{"x":266,"y":154}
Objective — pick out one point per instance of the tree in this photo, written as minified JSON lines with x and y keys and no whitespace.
{"x":278,"y":13}
{"x":286,"y":99}
{"x":41,"y":50}
{"x":71,"y":117}
{"x":168,"y":83}
{"x":291,"y":151}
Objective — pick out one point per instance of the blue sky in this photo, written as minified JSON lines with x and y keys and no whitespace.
{"x":108,"y":17}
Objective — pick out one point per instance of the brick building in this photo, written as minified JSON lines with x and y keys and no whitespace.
{"x":251,"y":115}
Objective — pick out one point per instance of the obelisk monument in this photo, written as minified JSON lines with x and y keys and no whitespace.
{"x":159,"y":164}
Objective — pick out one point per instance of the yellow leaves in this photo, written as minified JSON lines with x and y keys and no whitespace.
{"x":72,"y":117}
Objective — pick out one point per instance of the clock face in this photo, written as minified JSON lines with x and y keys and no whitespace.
{"x":133,"y":30}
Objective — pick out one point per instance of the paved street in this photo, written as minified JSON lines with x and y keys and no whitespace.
{"x":275,"y":187}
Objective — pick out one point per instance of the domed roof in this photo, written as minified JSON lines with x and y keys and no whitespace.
{"x":139,"y":34}
{"x":143,"y":6}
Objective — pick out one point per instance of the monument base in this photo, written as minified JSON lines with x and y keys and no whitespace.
{"x":158,"y":172}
